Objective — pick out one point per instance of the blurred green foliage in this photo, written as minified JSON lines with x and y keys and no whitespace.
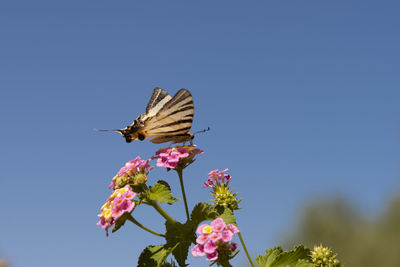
{"x":359,"y":240}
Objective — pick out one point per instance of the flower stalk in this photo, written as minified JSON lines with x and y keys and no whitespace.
{"x":133,"y":220}
{"x":245,"y":249}
{"x":180,"y":174}
{"x":160,"y":210}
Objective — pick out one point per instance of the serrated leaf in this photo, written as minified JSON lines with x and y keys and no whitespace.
{"x":169,"y":264}
{"x":181,"y":252}
{"x":276,"y":257}
{"x":161,"y":192}
{"x":179,"y":236}
{"x":269,"y":257}
{"x":164,"y":183}
{"x":291,"y":257}
{"x":154,"y":256}
{"x":227,"y":215}
{"x":304,"y":263}
{"x":203,"y":212}
{"x":120,"y":221}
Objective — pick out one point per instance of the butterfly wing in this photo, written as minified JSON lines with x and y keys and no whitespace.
{"x":172,"y":121}
{"x":179,"y":138}
{"x":158,"y":99}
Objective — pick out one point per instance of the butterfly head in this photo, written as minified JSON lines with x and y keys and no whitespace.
{"x":127,"y":134}
{"x":131,"y":133}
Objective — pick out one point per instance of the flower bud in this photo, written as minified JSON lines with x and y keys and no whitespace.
{"x":133,"y":173}
{"x":224,"y":197}
{"x":140,"y":178}
{"x":324,"y":257}
{"x":218,"y":181}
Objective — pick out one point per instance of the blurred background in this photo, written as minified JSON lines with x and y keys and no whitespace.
{"x":360,"y":240}
{"x":302,"y":98}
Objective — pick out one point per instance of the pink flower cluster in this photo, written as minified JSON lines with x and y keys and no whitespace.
{"x":217,"y":178}
{"x":120,"y":201}
{"x":131,"y":168}
{"x":214,"y":239}
{"x":174,"y":157}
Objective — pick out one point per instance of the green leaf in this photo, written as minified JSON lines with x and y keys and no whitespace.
{"x":181,"y":252}
{"x":227,"y":215}
{"x":164,"y":183}
{"x":120,"y":221}
{"x":154,"y":256}
{"x":269,"y":257}
{"x":180,"y":236}
{"x":276,"y":257}
{"x":203,"y":212}
{"x":169,"y":264}
{"x":304,"y":263}
{"x":161,"y":192}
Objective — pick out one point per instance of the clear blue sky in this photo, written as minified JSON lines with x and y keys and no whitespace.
{"x":302,"y":98}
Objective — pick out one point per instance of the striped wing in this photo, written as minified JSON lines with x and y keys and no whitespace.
{"x":157,"y":101}
{"x":174,"y":118}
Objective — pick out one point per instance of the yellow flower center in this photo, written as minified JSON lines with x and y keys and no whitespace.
{"x":207,"y":230}
{"x":107,"y":214}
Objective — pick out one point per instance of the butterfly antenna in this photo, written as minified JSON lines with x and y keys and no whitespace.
{"x":101,"y":130}
{"x":202,"y":131}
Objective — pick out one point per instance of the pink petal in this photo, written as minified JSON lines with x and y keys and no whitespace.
{"x":233,"y":228}
{"x":218,"y":225}
{"x":198,"y":251}
{"x":212,"y":256}
{"x":215,"y":237}
{"x":234,"y":246}
{"x":183,"y":152}
{"x":200,"y":228}
{"x":210,"y":247}
{"x":227,"y":236}
{"x":201,"y":239}
{"x":130,"y":206}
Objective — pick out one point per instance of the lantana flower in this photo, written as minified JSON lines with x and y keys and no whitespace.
{"x":134,"y":172}
{"x":120,"y":201}
{"x":217,"y":178}
{"x":218,"y":181}
{"x":214,"y":241}
{"x":178,"y":157}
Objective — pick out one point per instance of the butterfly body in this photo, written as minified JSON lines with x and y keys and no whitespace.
{"x":167,"y":119}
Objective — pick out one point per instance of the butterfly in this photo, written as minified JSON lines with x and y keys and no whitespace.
{"x":166,"y":119}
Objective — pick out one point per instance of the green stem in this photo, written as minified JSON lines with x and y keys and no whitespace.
{"x":157,"y":207}
{"x":161,"y":211}
{"x":143,"y":227}
{"x":245,"y":249}
{"x":179,"y":171}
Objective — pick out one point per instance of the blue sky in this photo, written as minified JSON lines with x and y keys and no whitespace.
{"x":301,"y":97}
